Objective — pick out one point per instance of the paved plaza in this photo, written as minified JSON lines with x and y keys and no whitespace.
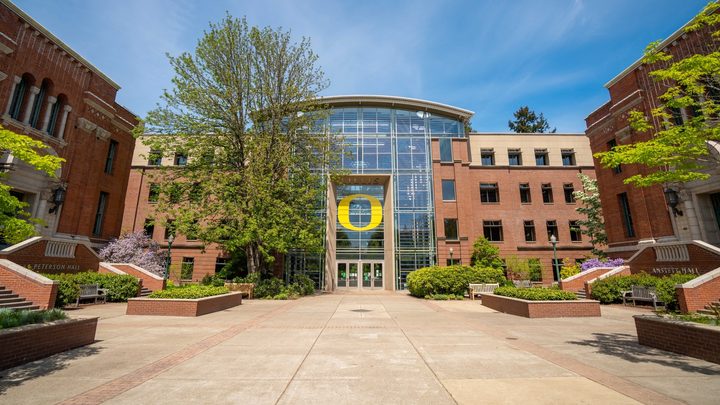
{"x":345,"y":348}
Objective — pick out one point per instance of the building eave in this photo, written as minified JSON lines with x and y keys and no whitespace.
{"x":399,"y":102}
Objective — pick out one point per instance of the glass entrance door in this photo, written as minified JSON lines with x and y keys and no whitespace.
{"x":357,"y":275}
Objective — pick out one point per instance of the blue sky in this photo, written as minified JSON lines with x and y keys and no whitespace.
{"x":487,"y":56}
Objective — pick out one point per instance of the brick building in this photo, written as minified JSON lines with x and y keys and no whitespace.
{"x":51,"y":93}
{"x":636,"y":216}
{"x":419,"y":192}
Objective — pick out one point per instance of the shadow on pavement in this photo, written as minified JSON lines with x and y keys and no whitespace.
{"x":627,"y":348}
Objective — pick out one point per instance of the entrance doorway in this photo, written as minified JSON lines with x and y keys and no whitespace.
{"x":360,"y":275}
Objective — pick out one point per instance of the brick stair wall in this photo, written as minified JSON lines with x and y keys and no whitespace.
{"x":39,"y":290}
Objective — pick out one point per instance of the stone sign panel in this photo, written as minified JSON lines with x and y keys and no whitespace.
{"x":52,"y":256}
{"x":672,"y":258}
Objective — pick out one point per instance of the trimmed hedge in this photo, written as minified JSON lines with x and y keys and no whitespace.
{"x":120,"y":286}
{"x":189,"y":292}
{"x":12,"y":319}
{"x":450,"y":280}
{"x":610,"y":289}
{"x":536,"y":294}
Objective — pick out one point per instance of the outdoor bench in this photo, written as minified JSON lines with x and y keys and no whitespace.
{"x":640,"y":293}
{"x":480,"y":289}
{"x":91,"y":291}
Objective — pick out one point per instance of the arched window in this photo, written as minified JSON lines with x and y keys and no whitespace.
{"x":21,"y":90}
{"x":55,"y":114}
{"x":39,"y":103}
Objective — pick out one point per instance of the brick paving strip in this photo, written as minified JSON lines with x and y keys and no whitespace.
{"x":618,"y":384}
{"x":113,"y":388}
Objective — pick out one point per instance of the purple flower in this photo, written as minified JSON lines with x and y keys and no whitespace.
{"x":136,"y":248}
{"x":595,"y":262}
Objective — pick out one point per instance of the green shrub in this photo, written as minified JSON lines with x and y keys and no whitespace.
{"x":535,"y":269}
{"x":11,"y":319}
{"x":434,"y":280}
{"x":444,"y":297}
{"x":189,"y":292}
{"x":536,"y":294}
{"x":268,"y":288}
{"x":120,"y":286}
{"x":610,"y":289}
{"x":307,"y":285}
{"x":281,"y":296}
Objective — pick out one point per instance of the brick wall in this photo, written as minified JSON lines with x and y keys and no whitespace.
{"x":578,"y":281}
{"x":696,"y":294}
{"x":40,"y":290}
{"x":33,"y":256}
{"x":701,"y":260}
{"x":180,"y":307}
{"x":691,"y":339}
{"x":148,"y":280}
{"x":623,"y":271}
{"x":542,"y":309}
{"x":32,"y":342}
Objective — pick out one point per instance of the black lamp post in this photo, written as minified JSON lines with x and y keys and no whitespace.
{"x":673,"y":199}
{"x":171,"y":238}
{"x":58,"y":199}
{"x":553,"y":241}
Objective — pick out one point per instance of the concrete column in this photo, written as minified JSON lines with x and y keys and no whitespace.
{"x":16,"y":81}
{"x":48,"y":110}
{"x":63,"y":121}
{"x":29,"y":105}
{"x":692,"y":218}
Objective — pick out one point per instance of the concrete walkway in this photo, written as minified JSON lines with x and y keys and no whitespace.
{"x":381,"y":349}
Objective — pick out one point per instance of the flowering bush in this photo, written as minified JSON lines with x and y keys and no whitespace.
{"x":595,"y":262}
{"x":136,"y":248}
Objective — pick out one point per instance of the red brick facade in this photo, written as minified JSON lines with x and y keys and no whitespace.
{"x":578,"y":281}
{"x":33,"y":256}
{"x":180,"y":307}
{"x":39,"y":290}
{"x":690,"y":339}
{"x":541,"y":309}
{"x":696,"y":294}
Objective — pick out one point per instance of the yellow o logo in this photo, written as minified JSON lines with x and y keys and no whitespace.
{"x":344,"y":212}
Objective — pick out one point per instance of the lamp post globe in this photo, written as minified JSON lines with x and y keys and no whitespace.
{"x":451,"y":256}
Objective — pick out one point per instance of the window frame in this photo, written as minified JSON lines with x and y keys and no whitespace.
{"x":571,"y":187}
{"x":110,"y":159}
{"x":443,"y":182}
{"x":487,"y":192}
{"x":515,"y":153}
{"x":529,"y":224}
{"x":568,"y":153}
{"x":575,"y":233}
{"x":100,"y":213}
{"x":493,"y":225}
{"x":446,"y":153}
{"x":547,"y":193}
{"x":487,"y":153}
{"x":545,"y":157}
{"x":554,"y":226}
{"x":626,"y":215}
{"x":447,"y":222}
{"x":525,"y":187}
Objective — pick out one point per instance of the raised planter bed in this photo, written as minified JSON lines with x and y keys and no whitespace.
{"x":541,"y":309}
{"x":688,"y":338}
{"x":182,"y":307}
{"x":36,"y":341}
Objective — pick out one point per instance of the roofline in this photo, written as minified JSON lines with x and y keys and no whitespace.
{"x":529,"y":133}
{"x":57,"y":40}
{"x":395,"y":101}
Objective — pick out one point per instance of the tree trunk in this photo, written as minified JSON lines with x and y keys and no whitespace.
{"x":254,"y":259}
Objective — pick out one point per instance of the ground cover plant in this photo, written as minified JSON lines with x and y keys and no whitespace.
{"x":430,"y":281}
{"x":536,"y":294}
{"x":270,"y":287}
{"x":696,"y":318}
{"x":610,"y":289}
{"x":120,"y":286}
{"x":189,"y":292}
{"x":12,"y":319}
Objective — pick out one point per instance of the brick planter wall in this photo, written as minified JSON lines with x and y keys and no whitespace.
{"x":697,"y":293}
{"x":688,"y":338}
{"x":33,"y":342}
{"x":541,"y":309}
{"x":577,"y":282}
{"x":182,"y":307}
{"x":34,"y":287}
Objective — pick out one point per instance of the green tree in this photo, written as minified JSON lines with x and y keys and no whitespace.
{"x":15,"y":223}
{"x":243,"y":110}
{"x":680,"y":150}
{"x":593,"y":225}
{"x":527,"y":121}
{"x":485,"y":254}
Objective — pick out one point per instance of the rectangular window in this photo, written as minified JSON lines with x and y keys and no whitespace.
{"x":169,"y":229}
{"x":220,"y":263}
{"x":525,"y":193}
{"x":541,"y":157}
{"x":575,"y":235}
{"x":489,"y":193}
{"x":180,"y":159}
{"x":552,"y":229}
{"x":487,"y":157}
{"x":453,"y":262}
{"x":568,"y":157}
{"x":186,"y":270}
{"x":155,"y":158}
{"x":112,"y":151}
{"x":448,"y":190}
{"x":557,"y":266}
{"x":446,"y":155}
{"x":514,"y":157}
{"x":451,"y":229}
{"x":611,"y":146}
{"x":100,"y":213}
{"x":547,"y":193}
{"x":626,"y":215}
{"x":569,"y":189}
{"x":149,"y":227}
{"x":529,"y":231}
{"x":492,"y":230}
{"x":154,"y":193}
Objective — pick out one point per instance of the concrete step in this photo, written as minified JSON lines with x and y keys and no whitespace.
{"x":581,"y":294}
{"x":5,"y":292}
{"x":144,"y":292}
{"x":706,"y":312}
{"x":13,"y":298}
{"x":17,"y":304}
{"x":28,"y":306}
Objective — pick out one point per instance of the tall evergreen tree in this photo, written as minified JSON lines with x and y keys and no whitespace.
{"x":527,"y":121}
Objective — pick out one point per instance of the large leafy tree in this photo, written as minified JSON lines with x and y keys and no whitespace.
{"x":242,"y":111}
{"x":15,"y":223}
{"x":680,"y":150}
{"x":527,"y":121}
{"x":593,"y":225}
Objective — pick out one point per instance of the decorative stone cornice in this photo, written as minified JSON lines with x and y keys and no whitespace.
{"x":92,"y":128}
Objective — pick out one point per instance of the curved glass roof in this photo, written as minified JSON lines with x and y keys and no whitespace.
{"x":399,"y":103}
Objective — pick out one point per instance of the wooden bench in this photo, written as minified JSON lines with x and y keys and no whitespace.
{"x":480,"y":289}
{"x":640,"y":293}
{"x":245,"y":288}
{"x":90,"y":291}
{"x":522,"y":283}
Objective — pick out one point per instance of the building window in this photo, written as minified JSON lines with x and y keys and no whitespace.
{"x":154,"y":193}
{"x":149,"y":227}
{"x":525,"y":193}
{"x":453,"y":262}
{"x":54,"y":113}
{"x":552,"y":229}
{"x":569,"y":189}
{"x":489,"y":193}
{"x":611,"y":146}
{"x":514,"y":157}
{"x":541,"y":157}
{"x":220,"y":263}
{"x":446,"y":155}
{"x":451,"y":229}
{"x":575,"y":235}
{"x":110,"y":160}
{"x":547,"y":193}
{"x":169,"y":229}
{"x":186,"y":270}
{"x":38,"y":104}
{"x":568,"y":157}
{"x":557,"y":266}
{"x":492,"y":230}
{"x":100,"y":213}
{"x":487,"y":157}
{"x":155,"y":158}
{"x":529,"y":231}
{"x":18,"y":97}
{"x":626,"y":215}
{"x":676,"y":116}
{"x":180,"y":159}
{"x":448,"y":190}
